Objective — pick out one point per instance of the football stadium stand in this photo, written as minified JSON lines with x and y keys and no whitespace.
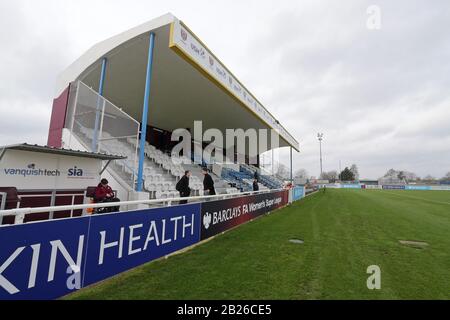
{"x":128,"y":94}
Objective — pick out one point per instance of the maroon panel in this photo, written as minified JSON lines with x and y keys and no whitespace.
{"x":58,"y":119}
{"x":40,"y":199}
{"x":67,"y":201}
{"x":43,"y":199}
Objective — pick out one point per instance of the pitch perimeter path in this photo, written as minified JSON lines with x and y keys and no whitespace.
{"x":345,"y":231}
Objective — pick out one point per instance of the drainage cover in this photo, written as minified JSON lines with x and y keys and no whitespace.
{"x":414,"y":244}
{"x":297,"y":241}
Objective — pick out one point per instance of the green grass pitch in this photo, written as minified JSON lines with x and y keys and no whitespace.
{"x":345,"y":231}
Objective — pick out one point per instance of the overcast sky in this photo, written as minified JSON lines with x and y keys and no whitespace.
{"x":381,"y":97}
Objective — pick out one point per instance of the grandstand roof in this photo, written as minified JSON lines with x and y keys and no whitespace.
{"x":189,"y":82}
{"x":59,"y":151}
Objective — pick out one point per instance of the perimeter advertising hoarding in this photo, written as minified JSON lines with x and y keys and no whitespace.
{"x":374,"y":187}
{"x":351,"y":186}
{"x":298,"y":193}
{"x":440,"y":188}
{"x":47,"y":260}
{"x":393,"y":187}
{"x":422,"y":188}
{"x":50,"y":259}
{"x":222,"y":215}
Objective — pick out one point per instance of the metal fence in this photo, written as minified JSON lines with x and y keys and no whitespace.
{"x":20,"y":213}
{"x":52,"y":197}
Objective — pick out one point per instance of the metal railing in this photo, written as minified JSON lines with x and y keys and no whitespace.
{"x":3,"y":202}
{"x":20,"y":213}
{"x":53,"y":196}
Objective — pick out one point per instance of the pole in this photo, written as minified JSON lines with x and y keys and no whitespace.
{"x":97,"y":113}
{"x":148,"y":79}
{"x":320,"y":138}
{"x":292,"y":177}
{"x":340,"y":169}
{"x":321,"y":164}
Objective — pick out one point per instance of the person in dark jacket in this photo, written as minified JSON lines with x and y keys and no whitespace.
{"x":208,"y":184}
{"x":104,"y":194}
{"x":255,"y":185}
{"x":183,"y":187}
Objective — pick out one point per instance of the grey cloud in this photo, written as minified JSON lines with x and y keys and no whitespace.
{"x":380,"y":97}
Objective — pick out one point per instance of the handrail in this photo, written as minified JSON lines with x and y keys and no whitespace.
{"x":23,"y":211}
{"x":3,"y":201}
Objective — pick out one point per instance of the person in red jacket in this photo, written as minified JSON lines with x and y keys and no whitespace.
{"x":104,"y":194}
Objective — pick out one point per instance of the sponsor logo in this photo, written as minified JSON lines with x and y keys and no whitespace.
{"x":211,"y":61}
{"x":75,"y":172}
{"x":184,"y":34}
{"x":221,"y":73}
{"x":207,"y":219}
{"x":198,"y":51}
{"x":32,"y":170}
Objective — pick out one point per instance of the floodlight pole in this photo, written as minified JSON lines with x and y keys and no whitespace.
{"x":320,"y":137}
{"x":97,"y":112}
{"x":148,"y":80}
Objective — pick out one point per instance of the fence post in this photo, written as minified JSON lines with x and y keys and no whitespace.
{"x":52,"y":204}
{"x":19,"y":218}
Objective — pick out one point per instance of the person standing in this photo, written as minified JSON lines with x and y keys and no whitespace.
{"x":183,"y":187}
{"x":208,"y":184}
{"x":255,"y":185}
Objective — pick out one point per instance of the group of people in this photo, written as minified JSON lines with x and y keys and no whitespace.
{"x":104,"y":194}
{"x":185,"y":191}
{"x":208,"y":185}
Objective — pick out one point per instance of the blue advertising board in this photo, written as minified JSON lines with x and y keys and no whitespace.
{"x":423,"y":188}
{"x":46,"y":260}
{"x":121,"y":242}
{"x":351,"y":186}
{"x":35,"y":257}
{"x":298,"y":193}
{"x":393,"y":187}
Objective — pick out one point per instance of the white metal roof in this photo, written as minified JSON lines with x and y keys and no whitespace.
{"x":185,"y":86}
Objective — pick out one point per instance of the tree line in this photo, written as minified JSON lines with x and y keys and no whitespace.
{"x":352,"y":174}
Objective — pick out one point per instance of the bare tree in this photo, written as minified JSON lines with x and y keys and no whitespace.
{"x":354,"y":170}
{"x":283,"y":171}
{"x":331,"y":176}
{"x":301,"y":173}
{"x":400,"y":176}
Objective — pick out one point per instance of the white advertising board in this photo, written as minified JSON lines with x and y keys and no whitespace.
{"x":192,"y":47}
{"x":376,"y":187}
{"x":34,"y":170}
